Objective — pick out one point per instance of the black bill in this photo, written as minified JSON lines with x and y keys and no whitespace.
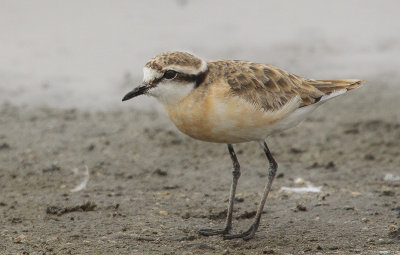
{"x":136,"y":92}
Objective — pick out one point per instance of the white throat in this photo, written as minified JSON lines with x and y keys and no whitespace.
{"x":170,"y":92}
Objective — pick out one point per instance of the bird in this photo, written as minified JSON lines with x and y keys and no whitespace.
{"x":231,"y":102}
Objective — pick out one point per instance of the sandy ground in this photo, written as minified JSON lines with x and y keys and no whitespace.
{"x":151,"y":187}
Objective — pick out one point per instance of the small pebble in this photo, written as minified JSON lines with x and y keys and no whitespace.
{"x":51,"y":168}
{"x":19,"y":239}
{"x":91,"y":147}
{"x":205,"y":246}
{"x":330,"y":165}
{"x":383,"y":252}
{"x":239,"y":199}
{"x":4,"y":146}
{"x":268,"y":251}
{"x":392,"y":228}
{"x":395,"y":233}
{"x":186,"y":215}
{"x":383,"y":241}
{"x":369,"y":157}
{"x":296,"y":150}
{"x":168,"y":187}
{"x":397,"y":210}
{"x":299,"y":181}
{"x":301,"y":208}
{"x":160,"y":172}
{"x":388,"y":192}
{"x":391,"y":177}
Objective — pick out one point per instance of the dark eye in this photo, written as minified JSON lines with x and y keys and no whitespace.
{"x":170,"y":74}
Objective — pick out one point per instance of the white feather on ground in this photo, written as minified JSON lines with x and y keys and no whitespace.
{"x":85,"y":179}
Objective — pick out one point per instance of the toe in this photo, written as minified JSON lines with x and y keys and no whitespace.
{"x":212,"y":232}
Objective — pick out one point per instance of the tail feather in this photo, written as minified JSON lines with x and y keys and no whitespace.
{"x":330,"y":86}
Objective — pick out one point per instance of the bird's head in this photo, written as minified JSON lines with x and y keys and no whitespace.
{"x":170,"y":77}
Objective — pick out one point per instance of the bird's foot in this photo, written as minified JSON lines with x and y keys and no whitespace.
{"x":213,"y":232}
{"x":247,"y":235}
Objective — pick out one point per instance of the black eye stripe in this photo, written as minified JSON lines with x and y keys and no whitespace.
{"x":170,"y":74}
{"x":196,"y":78}
{"x":181,"y":77}
{"x":186,"y":77}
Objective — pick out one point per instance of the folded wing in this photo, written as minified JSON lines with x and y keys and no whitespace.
{"x":270,"y":88}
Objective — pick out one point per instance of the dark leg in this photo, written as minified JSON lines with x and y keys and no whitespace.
{"x":273,"y":166}
{"x":236,"y":175}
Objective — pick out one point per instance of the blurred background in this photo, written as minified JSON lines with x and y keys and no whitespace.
{"x":87,"y":54}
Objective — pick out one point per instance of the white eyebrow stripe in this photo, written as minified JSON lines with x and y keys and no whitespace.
{"x":203,"y":66}
{"x":188,"y":70}
{"x":150,"y":74}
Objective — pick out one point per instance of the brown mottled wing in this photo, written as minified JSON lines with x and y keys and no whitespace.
{"x":267,"y":86}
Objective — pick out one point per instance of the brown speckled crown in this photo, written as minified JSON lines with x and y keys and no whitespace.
{"x":175,"y":58}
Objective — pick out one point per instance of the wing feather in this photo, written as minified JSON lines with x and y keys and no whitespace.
{"x":268,"y":87}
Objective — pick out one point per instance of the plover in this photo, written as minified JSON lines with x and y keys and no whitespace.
{"x":233,"y":101}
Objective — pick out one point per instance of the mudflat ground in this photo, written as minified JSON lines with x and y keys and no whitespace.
{"x":150,"y":187}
